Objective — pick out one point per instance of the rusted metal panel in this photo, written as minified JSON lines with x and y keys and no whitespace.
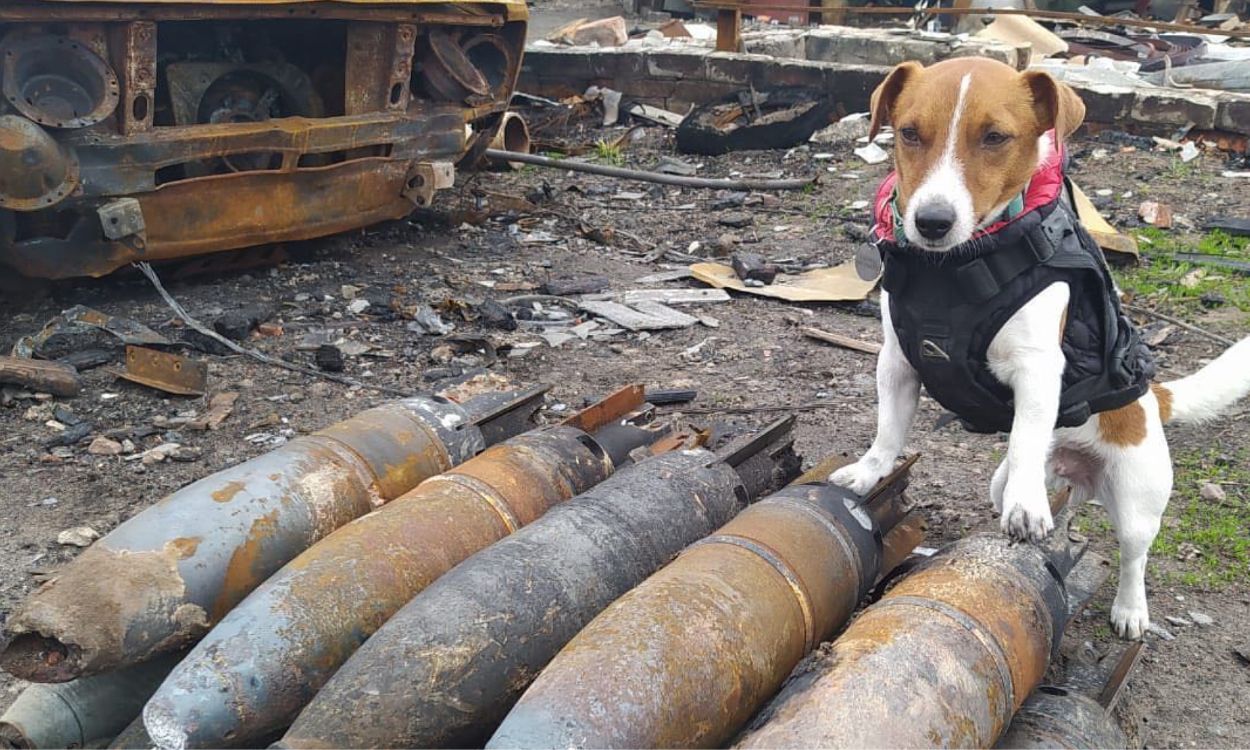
{"x":687,"y":657}
{"x":254,"y":672}
{"x":379,"y":63}
{"x":955,"y":648}
{"x":159,"y":581}
{"x":165,"y":371}
{"x":475,"y":638}
{"x":135,"y":56}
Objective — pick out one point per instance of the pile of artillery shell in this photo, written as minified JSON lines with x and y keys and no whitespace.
{"x":253,"y":672}
{"x":448,"y":666}
{"x":159,"y":581}
{"x":686,"y":658}
{"x":943,"y":660}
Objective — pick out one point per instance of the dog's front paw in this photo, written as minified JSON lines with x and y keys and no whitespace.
{"x":1026,"y":512}
{"x":1130,"y":620}
{"x":859,"y":477}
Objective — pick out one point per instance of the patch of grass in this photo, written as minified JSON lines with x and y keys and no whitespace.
{"x":1161,"y":277}
{"x":610,"y":152}
{"x":1208,"y":538}
{"x":1180,"y":170}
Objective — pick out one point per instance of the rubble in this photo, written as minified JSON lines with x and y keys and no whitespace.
{"x":79,"y":536}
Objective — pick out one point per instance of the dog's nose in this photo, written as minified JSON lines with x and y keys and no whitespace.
{"x":934,"y":220}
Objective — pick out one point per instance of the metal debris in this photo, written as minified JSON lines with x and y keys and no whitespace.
{"x":167,"y":372}
{"x":78,"y":319}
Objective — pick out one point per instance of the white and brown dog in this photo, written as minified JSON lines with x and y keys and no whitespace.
{"x":970,"y":136}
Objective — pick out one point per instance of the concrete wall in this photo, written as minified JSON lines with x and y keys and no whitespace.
{"x":679,"y":77}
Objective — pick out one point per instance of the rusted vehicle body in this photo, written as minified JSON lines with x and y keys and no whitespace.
{"x":156,"y":129}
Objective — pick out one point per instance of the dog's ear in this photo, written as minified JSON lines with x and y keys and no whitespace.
{"x":885,"y":95}
{"x":1056,"y":104}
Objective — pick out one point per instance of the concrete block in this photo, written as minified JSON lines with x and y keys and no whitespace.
{"x":841,"y":44}
{"x":1233,"y":113}
{"x":1105,"y":102}
{"x":781,"y":44}
{"x":1174,"y":108}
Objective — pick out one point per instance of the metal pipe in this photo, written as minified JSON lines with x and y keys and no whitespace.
{"x":513,"y":135}
{"x":950,"y":653}
{"x":663,"y":179}
{"x":686,"y":658}
{"x":254,"y":671}
{"x":87,"y":710}
{"x":160,"y":580}
{"x":447,"y":667}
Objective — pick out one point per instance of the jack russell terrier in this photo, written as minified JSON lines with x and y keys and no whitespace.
{"x":1000,"y":304}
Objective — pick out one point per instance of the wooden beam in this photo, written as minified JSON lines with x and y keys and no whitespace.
{"x":729,"y":30}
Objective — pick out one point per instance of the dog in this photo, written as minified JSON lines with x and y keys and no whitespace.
{"x":972,"y":138}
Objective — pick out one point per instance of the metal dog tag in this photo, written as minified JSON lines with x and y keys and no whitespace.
{"x":868,"y":262}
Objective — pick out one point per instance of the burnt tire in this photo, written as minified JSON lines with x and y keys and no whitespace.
{"x":761,"y":125}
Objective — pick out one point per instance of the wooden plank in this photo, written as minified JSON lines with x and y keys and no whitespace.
{"x":729,"y":30}
{"x":43,"y":377}
{"x":837,"y":339}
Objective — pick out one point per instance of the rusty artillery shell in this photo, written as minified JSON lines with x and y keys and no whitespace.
{"x":942,"y":660}
{"x":157,"y":582}
{"x":250,"y":676}
{"x":82,"y":712}
{"x":447,"y":667}
{"x":687,"y":657}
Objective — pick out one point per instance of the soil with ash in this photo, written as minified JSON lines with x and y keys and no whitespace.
{"x":750,"y":366}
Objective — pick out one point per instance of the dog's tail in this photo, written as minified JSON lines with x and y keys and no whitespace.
{"x":1207,"y":393}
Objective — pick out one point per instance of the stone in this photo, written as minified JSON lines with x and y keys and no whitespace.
{"x":1212,"y":492}
{"x":329,"y":358}
{"x":103,"y":446}
{"x":357,"y":306}
{"x":1201,"y":619}
{"x":79,"y":536}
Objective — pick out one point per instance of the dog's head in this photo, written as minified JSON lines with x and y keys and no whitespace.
{"x":966,"y":141}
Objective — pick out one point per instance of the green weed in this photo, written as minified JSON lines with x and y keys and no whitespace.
{"x":1207,"y":537}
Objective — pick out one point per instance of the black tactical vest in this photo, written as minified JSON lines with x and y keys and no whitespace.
{"x":946,"y":309}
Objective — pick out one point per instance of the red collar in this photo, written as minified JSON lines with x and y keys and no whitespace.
{"x":1043,"y":188}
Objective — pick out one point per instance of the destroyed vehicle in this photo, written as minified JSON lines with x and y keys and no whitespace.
{"x":148,"y":130}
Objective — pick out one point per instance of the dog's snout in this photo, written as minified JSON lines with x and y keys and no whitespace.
{"x":934,"y":220}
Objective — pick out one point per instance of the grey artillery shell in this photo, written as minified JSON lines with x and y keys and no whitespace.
{"x":89,"y":709}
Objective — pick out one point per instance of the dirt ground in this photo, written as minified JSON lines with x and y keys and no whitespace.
{"x":1188,"y":692}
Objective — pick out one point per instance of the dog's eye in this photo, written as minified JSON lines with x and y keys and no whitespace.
{"x":995,"y":138}
{"x":910,"y":135}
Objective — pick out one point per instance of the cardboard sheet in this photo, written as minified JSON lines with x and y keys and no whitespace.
{"x":837,"y":284}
